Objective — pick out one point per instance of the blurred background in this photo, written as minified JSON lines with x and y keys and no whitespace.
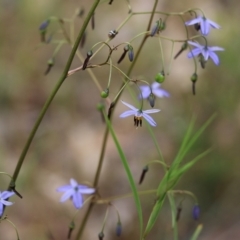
{"x":68,"y":142}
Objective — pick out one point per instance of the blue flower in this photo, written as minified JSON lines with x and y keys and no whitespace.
{"x":75,"y":192}
{"x":196,"y":212}
{"x":155,"y":89}
{"x":204,"y":23}
{"x":5,"y":195}
{"x":139,"y":114}
{"x":205,"y":51}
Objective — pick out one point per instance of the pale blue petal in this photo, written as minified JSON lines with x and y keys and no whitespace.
{"x":193,"y":21}
{"x":67,"y":195}
{"x":146,"y":91}
{"x":73,"y":183}
{"x":149,"y":120}
{"x":6,"y":194}
{"x":130,"y":106}
{"x":64,"y":188}
{"x":1,"y":209}
{"x":197,"y":45}
{"x":215,"y":48}
{"x":77,"y":200}
{"x":205,"y":54}
{"x":86,"y":190}
{"x":151,"y":111}
{"x":214,"y":57}
{"x":161,"y":93}
{"x":155,"y":85}
{"x":204,"y":27}
{"x":195,"y":52}
{"x":213,"y":24}
{"x":7,"y":203}
{"x":128,"y":113}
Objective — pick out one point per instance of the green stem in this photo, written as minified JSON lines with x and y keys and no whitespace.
{"x":90,"y":207}
{"x":54,"y":92}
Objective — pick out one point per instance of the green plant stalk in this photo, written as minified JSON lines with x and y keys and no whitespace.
{"x":90,"y":207}
{"x":54,"y":92}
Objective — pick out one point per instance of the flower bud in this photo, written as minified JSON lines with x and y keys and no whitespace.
{"x":44,"y":25}
{"x":130,"y":53}
{"x":100,"y":106}
{"x":151,"y":100}
{"x":70,"y":229}
{"x":101,"y":236}
{"x":160,"y":77}
{"x":183,"y":47}
{"x":155,"y":28}
{"x":50,"y":65}
{"x":119,"y":229}
{"x":196,"y":212}
{"x":194,"y":78}
{"x":89,"y":54}
{"x":105,"y":93}
{"x":144,"y":171}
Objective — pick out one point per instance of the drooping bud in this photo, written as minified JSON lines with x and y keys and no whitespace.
{"x":151,"y":99}
{"x":110,"y":2}
{"x":81,"y":12}
{"x":112,"y":34}
{"x":183,"y":47}
{"x":155,"y":28}
{"x":162,"y":26}
{"x":196,"y":212}
{"x":125,"y":50}
{"x":202,"y":61}
{"x":101,"y":236}
{"x":50,"y":65}
{"x":83,"y":40}
{"x":130,"y":53}
{"x":89,"y":54}
{"x":43,"y":29}
{"x":105,"y":93}
{"x":144,"y":171}
{"x":160,"y":77}
{"x":70,"y":229}
{"x":179,"y":210}
{"x":194,"y":78}
{"x":119,"y":229}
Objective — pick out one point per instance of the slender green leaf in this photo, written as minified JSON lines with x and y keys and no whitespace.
{"x":197,"y":232}
{"x":129,"y":174}
{"x":174,"y":214}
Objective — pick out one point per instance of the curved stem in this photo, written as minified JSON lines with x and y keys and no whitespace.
{"x":54,"y":92}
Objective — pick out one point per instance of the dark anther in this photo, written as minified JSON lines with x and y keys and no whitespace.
{"x":144,"y":171}
{"x":197,"y":26}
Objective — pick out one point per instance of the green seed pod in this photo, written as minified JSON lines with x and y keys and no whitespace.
{"x":160,"y":77}
{"x":194,"y":77}
{"x":105,"y":93}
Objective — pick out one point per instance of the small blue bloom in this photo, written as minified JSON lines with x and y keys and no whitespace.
{"x":155,"y":89}
{"x":75,"y":192}
{"x":205,"y":51}
{"x":44,"y":25}
{"x":204,"y":23}
{"x":139,"y":114}
{"x":5,"y":195}
{"x":196,"y":212}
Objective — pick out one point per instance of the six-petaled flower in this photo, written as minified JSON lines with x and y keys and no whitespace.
{"x":75,"y":192}
{"x":205,"y":51}
{"x":3,"y":196}
{"x":204,"y":23}
{"x":155,"y":89}
{"x":139,"y":114}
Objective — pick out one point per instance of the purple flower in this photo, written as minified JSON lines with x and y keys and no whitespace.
{"x":205,"y":51}
{"x":139,"y":114}
{"x":155,"y":89}
{"x":204,"y":23}
{"x":75,"y":192}
{"x":5,"y":195}
{"x":196,"y":212}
